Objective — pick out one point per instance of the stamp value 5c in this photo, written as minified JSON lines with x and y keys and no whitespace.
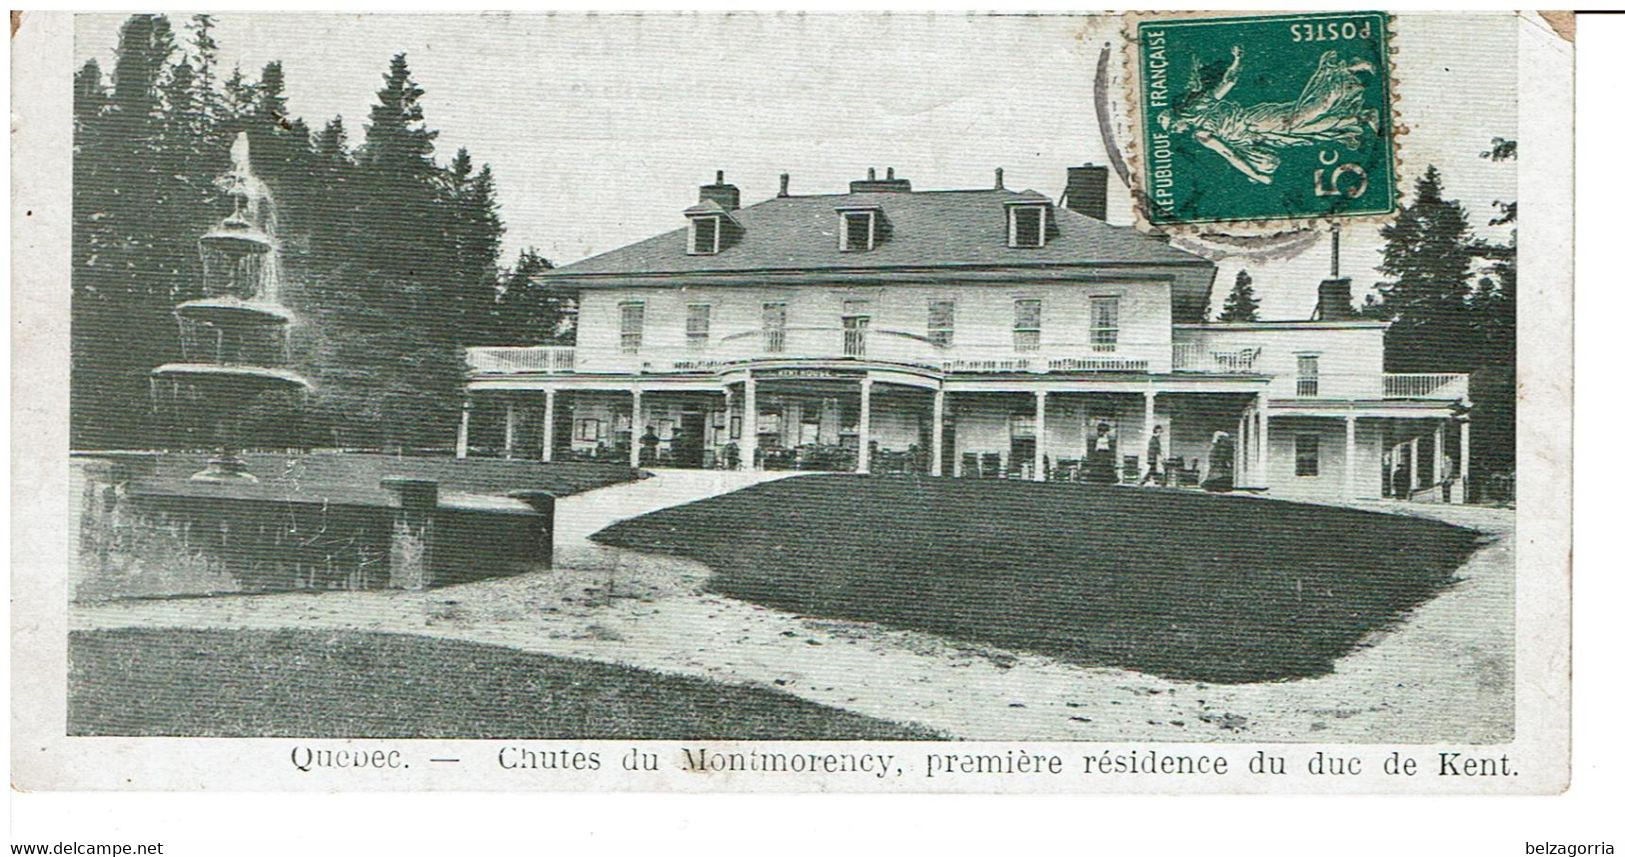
{"x":1265,"y":118}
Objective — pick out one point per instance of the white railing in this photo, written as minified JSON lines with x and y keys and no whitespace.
{"x":520,"y":360}
{"x":1097,"y":364}
{"x":1199,"y":357}
{"x":1416,"y":385}
{"x":876,"y":345}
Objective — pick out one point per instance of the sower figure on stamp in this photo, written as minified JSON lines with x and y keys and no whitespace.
{"x":1251,"y":138}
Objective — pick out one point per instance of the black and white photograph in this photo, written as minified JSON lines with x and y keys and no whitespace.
{"x":842,"y":402}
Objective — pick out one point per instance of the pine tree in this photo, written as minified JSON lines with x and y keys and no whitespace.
{"x":1429,"y":257}
{"x":528,"y":312}
{"x":1241,"y":304}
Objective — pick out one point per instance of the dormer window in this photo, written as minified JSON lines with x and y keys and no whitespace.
{"x":1030,"y":220}
{"x":863,"y":227}
{"x":704,"y":235}
{"x":858,"y":230}
{"x":711,"y":228}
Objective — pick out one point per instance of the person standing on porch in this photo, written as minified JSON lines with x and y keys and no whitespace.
{"x":1220,"y":464}
{"x":650,"y":443}
{"x":1153,"y":457}
{"x":1102,"y":460}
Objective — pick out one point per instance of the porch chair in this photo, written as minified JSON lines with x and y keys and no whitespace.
{"x":991,"y":467}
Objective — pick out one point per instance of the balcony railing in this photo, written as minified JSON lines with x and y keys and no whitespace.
{"x":520,"y":360}
{"x":871,"y":344}
{"x":1424,"y":386}
{"x":1199,"y":357}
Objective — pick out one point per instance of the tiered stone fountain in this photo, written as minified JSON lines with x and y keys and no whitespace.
{"x":234,"y":339}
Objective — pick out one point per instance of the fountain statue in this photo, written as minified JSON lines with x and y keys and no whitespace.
{"x":234,"y":339}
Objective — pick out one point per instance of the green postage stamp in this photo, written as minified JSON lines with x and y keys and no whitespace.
{"x":1265,"y":118}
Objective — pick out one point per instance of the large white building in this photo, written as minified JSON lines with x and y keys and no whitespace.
{"x":979,"y":332}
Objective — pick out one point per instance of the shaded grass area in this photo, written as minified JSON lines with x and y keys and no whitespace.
{"x":352,"y":685}
{"x":353,"y":477}
{"x":1182,"y":585}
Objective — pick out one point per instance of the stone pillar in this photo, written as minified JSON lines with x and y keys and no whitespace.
{"x":547,"y":425}
{"x":865,"y":393}
{"x":510,"y":423}
{"x":938,"y":404}
{"x":1146,"y":426}
{"x":1349,"y":450}
{"x":747,"y":430}
{"x":462,"y":429}
{"x":1465,"y":453}
{"x":1040,"y":433}
{"x":542,"y":503}
{"x":637,"y":427}
{"x":411,"y":542}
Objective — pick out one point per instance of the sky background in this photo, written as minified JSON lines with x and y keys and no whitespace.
{"x":601,"y":128}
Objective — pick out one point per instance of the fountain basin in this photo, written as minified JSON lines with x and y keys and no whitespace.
{"x":227,"y":378}
{"x":231,"y":310}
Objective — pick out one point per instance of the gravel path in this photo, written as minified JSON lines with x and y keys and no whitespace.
{"x":1444,"y":674}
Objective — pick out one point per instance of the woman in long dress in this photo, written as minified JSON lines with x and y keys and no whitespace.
{"x":1330,"y":110}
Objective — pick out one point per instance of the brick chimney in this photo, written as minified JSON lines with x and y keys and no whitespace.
{"x":890,"y":184}
{"x":721,"y":193}
{"x":1086,"y":190}
{"x":1336,"y":301}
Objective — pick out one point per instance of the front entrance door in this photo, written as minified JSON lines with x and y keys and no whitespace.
{"x":688,"y":448}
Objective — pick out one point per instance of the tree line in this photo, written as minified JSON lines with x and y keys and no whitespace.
{"x":390,"y":258}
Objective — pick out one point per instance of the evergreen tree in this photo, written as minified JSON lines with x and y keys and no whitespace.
{"x":528,"y":312}
{"x":1429,"y":257}
{"x":1241,"y":304}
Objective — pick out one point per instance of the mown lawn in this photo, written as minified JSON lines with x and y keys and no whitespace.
{"x":1183,"y":585}
{"x":349,"y":685}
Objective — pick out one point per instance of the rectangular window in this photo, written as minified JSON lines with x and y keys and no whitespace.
{"x":587,"y":430}
{"x":703,"y":235}
{"x":631,"y":327}
{"x":858,"y":230}
{"x":1026,"y":226}
{"x":773,"y":327}
{"x":1308,"y":375}
{"x":855,"y":328}
{"x":1307,"y":447}
{"x":1103,"y":323}
{"x":939,"y":323}
{"x":1029,"y":317}
{"x":699,"y":326}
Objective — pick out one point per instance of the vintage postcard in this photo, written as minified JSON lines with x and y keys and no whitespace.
{"x":907,"y":403}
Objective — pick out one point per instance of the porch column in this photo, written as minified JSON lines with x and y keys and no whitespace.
{"x":1348,"y":457}
{"x":1040,"y":434}
{"x":1415,"y":455}
{"x":1466,"y":456}
{"x":1438,"y":453}
{"x":1146,"y":428}
{"x":747,"y":429}
{"x":637,"y":427}
{"x":1243,"y":448}
{"x":1263,"y":478}
{"x":510,"y":422}
{"x":462,"y":429}
{"x":938,"y":400}
{"x":547,"y":425}
{"x":865,"y":391}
